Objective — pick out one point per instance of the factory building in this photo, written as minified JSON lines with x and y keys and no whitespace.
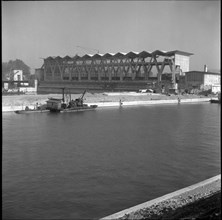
{"x":119,"y":71}
{"x":203,"y":80}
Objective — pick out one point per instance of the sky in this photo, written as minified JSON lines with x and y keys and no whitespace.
{"x":33,"y":30}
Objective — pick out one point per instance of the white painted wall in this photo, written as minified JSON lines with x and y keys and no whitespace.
{"x":183,"y":62}
{"x":211,"y":79}
{"x":18,"y":75}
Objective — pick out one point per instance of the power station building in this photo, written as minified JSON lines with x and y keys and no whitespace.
{"x":119,"y":71}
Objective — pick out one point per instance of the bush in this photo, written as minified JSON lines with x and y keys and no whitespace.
{"x":205,"y":92}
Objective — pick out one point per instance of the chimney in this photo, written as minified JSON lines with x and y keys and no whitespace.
{"x":205,"y":68}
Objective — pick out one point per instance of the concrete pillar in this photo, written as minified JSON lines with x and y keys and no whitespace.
{"x":99,"y":76}
{"x":159,"y":77}
{"x":70,"y":75}
{"x":133,"y":75}
{"x":79,"y":76}
{"x":121,"y":75}
{"x":89,"y":76}
{"x":110,"y":75}
{"x":61,"y":75}
{"x":44,"y":73}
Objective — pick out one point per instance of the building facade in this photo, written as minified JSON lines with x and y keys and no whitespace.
{"x":111,"y":67}
{"x":17,"y":75}
{"x":203,"y":80}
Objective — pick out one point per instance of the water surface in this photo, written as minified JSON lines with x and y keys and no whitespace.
{"x":92,"y":164}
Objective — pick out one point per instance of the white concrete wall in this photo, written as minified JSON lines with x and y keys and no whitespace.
{"x":117,"y":104}
{"x":183,"y":62}
{"x":27,"y":89}
{"x":150,"y":102}
{"x":18,"y":74}
{"x":216,"y":88}
{"x":211,"y":79}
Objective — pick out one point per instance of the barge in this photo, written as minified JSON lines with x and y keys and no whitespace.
{"x":216,"y":100}
{"x":27,"y":110}
{"x":30,"y":111}
{"x":59,"y":105}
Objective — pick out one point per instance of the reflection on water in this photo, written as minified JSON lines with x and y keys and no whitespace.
{"x":92,"y":164}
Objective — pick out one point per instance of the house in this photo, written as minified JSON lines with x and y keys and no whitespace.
{"x":17,"y":75}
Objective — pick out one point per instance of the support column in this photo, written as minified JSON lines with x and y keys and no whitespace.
{"x":121,"y":76}
{"x":89,"y":75}
{"x":70,"y":74}
{"x":173,"y":74}
{"x":158,"y":71}
{"x":61,"y":76}
{"x":133,"y":69}
{"x":99,"y":76}
{"x":133,"y":74}
{"x":53,"y":75}
{"x":44,"y":71}
{"x":121,"y":70}
{"x":110,"y":74}
{"x":61,"y":70}
{"x":79,"y":75}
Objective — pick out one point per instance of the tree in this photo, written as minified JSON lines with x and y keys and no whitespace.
{"x":8,"y":67}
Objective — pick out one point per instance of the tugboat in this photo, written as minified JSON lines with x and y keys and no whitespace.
{"x":59,"y":105}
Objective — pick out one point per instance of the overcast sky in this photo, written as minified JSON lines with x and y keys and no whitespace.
{"x":38,"y":29}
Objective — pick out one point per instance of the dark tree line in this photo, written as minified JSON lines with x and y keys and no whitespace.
{"x":8,"y":67}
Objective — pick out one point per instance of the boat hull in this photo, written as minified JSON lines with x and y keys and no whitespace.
{"x":215,"y":101}
{"x":77,"y":109}
{"x":30,"y":111}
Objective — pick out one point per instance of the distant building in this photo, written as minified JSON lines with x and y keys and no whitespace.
{"x":113,"y":71}
{"x":17,"y":75}
{"x":203,"y":80}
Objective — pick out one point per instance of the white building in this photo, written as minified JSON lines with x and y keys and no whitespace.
{"x":18,"y":75}
{"x":203,"y":80}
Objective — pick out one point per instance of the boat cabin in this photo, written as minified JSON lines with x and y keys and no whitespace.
{"x":54,"y":104}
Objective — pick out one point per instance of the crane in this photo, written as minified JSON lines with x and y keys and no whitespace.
{"x":79,"y":101}
{"x":87,"y":49}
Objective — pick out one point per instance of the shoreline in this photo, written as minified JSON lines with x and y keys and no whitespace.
{"x":105,"y":104}
{"x":174,"y":203}
{"x":19,"y":102}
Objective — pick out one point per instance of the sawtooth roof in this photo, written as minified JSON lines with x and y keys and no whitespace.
{"x":131,"y":54}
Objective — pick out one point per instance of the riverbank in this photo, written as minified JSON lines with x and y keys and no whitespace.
{"x":199,"y":200}
{"x":18,"y":102}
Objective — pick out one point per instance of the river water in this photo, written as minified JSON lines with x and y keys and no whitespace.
{"x":91,"y":164}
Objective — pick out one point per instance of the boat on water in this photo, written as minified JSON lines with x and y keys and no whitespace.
{"x":59,"y":105}
{"x":216,"y":100}
{"x":27,"y":110}
{"x":30,"y":111}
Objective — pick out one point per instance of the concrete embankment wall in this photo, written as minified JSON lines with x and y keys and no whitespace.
{"x":150,"y":102}
{"x":175,"y":200}
{"x":117,"y":104}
